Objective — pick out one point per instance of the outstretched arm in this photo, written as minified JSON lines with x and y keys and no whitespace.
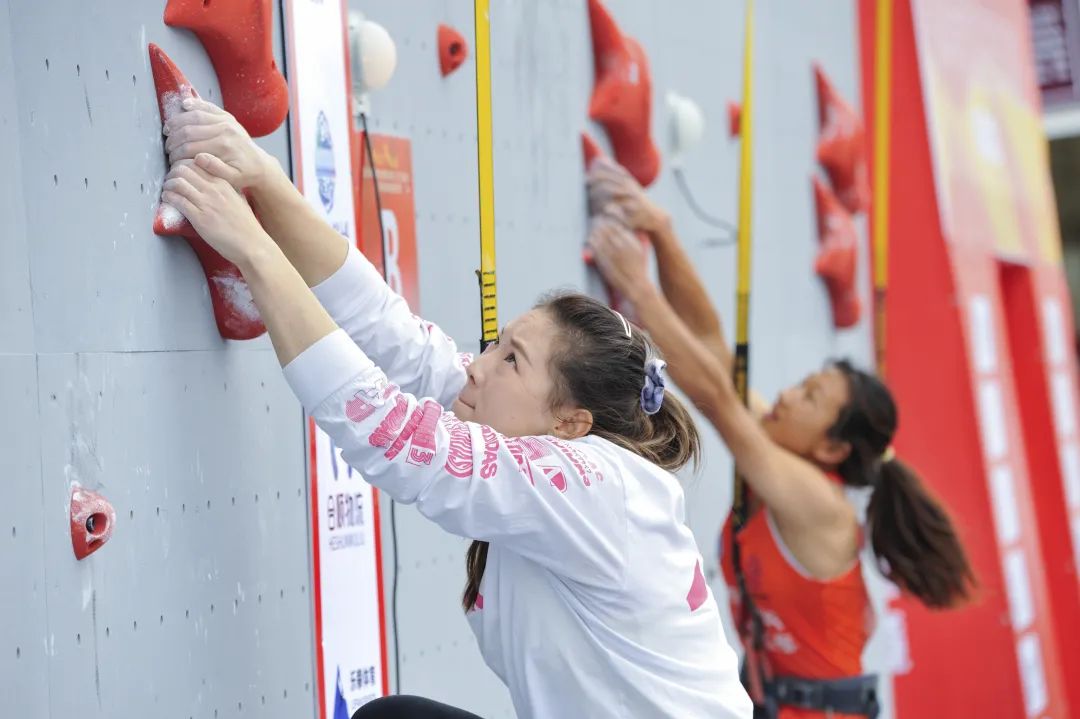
{"x":795,"y":490}
{"x":612,"y":190}
{"x":414,"y":353}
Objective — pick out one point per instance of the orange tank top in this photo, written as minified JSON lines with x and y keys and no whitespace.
{"x":814,"y":629}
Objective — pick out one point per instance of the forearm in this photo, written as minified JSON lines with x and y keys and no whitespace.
{"x":313,"y":247}
{"x":684,"y":290}
{"x":699,"y":372}
{"x":291,"y":313}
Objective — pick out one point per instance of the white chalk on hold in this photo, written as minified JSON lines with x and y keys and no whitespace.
{"x":237,"y":293}
{"x":171,"y":218}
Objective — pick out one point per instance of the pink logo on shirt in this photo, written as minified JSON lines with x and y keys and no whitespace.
{"x":359,"y":408}
{"x":490,"y":466}
{"x":459,"y":460}
{"x":464,"y":359}
{"x":422,"y":448}
{"x":387,"y":429}
{"x":699,"y":590}
{"x":582,"y":465}
{"x":526,"y":450}
{"x":479,"y":601}
{"x":555,"y":476}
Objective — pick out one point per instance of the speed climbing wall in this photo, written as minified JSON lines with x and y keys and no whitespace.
{"x":114,"y":375}
{"x":115,"y":378}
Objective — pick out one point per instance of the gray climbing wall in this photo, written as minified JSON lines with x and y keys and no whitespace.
{"x":114,"y":377}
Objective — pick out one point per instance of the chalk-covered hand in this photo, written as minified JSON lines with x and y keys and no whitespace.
{"x":205,"y":127}
{"x":609,"y":183}
{"x":219,"y":213}
{"x":619,"y":254}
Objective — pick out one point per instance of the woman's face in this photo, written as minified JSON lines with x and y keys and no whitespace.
{"x":509,"y":386}
{"x":803,"y":415}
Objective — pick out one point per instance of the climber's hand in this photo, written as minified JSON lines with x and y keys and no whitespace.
{"x":205,"y":127}
{"x":609,"y":183}
{"x":619,"y":254}
{"x":219,"y":213}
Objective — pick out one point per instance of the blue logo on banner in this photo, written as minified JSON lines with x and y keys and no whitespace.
{"x":325,"y":173}
{"x":341,"y":709}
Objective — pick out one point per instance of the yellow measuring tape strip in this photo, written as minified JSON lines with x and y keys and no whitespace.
{"x":742,"y":296}
{"x":882,"y":109}
{"x":489,"y":304}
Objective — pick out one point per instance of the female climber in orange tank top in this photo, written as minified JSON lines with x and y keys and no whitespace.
{"x":800,"y":546}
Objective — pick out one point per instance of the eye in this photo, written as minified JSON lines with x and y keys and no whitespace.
{"x":511,"y":359}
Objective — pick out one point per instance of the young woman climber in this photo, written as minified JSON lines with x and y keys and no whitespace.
{"x":553,"y":451}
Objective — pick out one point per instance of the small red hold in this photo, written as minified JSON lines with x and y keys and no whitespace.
{"x":734,"y":118}
{"x":238,"y":37}
{"x":453,"y":50}
{"x":92,"y":519}
{"x":234,"y":308}
{"x":622,"y":96}
{"x":837,"y":261}
{"x":841,"y":146}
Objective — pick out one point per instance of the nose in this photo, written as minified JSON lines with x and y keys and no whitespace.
{"x":477,"y":370}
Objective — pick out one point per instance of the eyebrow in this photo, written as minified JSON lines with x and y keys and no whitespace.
{"x":520,"y":349}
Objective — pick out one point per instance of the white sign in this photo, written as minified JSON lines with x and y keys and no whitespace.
{"x":350,"y":636}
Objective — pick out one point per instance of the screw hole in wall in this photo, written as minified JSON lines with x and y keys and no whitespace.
{"x":106,"y":73}
{"x":78,"y":71}
{"x":55,"y":181}
{"x":46,"y":63}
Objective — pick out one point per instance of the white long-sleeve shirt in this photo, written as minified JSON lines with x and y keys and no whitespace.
{"x":593,"y":602}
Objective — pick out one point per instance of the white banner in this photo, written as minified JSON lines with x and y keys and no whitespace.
{"x":350,"y":636}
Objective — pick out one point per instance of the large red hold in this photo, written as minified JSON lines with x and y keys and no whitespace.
{"x":238,"y":37}
{"x":837,"y":261}
{"x":453,"y":50}
{"x":234,"y":308}
{"x":622,"y":95}
{"x":841,"y":146}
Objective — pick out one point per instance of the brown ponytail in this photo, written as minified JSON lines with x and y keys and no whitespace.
{"x":600,"y":368}
{"x":910,"y":531}
{"x":915,"y":540}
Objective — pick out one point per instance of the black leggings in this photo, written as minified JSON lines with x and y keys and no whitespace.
{"x":408,"y":707}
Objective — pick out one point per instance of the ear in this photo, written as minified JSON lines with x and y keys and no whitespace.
{"x":573,"y":424}
{"x":831,"y":452}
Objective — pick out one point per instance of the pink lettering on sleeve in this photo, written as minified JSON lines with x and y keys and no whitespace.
{"x":386,"y":431}
{"x":490,"y":465}
{"x":459,"y":460}
{"x":422,"y":448}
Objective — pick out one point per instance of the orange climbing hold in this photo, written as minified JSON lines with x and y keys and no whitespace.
{"x":622,"y":96}
{"x":838,"y":259}
{"x":452,"y":49}
{"x":91,"y":518}
{"x":238,"y":37}
{"x":841,"y":146}
{"x":234,"y":308}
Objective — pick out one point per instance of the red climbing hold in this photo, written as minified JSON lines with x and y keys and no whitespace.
{"x":238,"y":37}
{"x":92,"y":520}
{"x":234,"y":308}
{"x":841,"y":146}
{"x":622,"y":96}
{"x":837,"y":261}
{"x":452,"y":49}
{"x":734,"y":118}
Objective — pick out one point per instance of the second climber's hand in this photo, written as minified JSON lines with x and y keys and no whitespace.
{"x":619,"y":254}
{"x":609,"y":183}
{"x":203,"y":127}
{"x":220,"y":214}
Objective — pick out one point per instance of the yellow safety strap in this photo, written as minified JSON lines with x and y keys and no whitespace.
{"x":489,"y":322}
{"x":882,"y":109}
